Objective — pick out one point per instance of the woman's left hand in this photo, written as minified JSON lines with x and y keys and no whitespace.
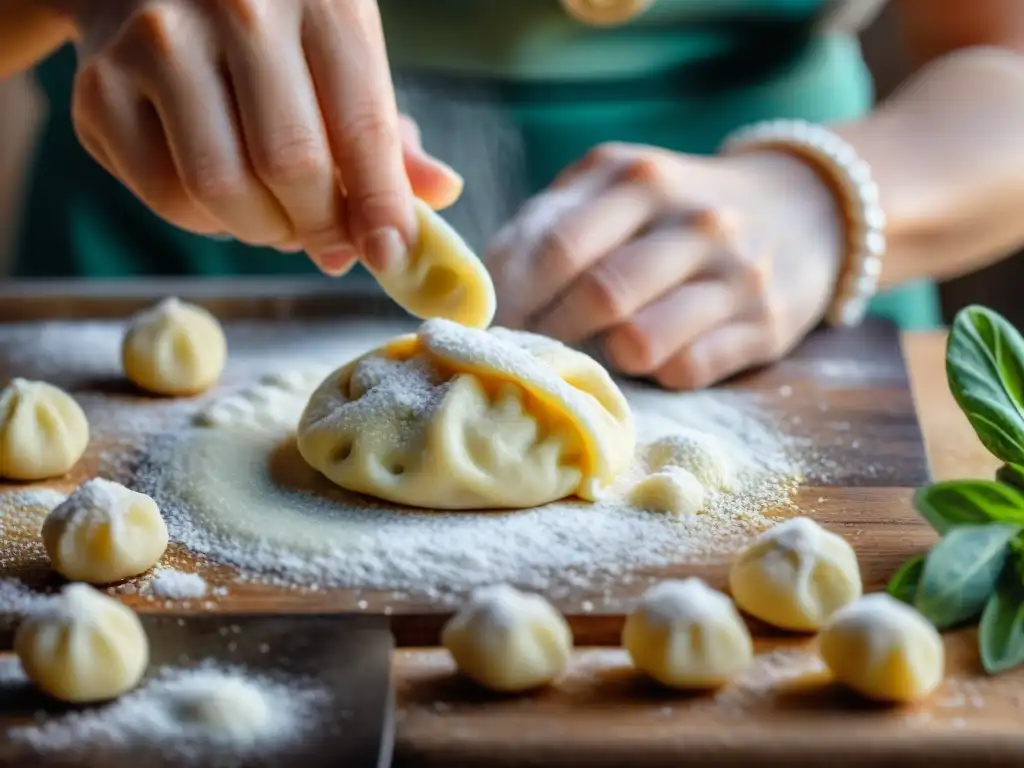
{"x":691,"y":268}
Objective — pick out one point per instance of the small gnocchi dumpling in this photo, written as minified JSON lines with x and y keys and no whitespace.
{"x":508,"y":640}
{"x":458,"y":418}
{"x":699,"y":453}
{"x":883,"y":649}
{"x":174,"y":348}
{"x":103,"y":533}
{"x":672,"y":490}
{"x":443,"y":277}
{"x":796,"y":575}
{"x":83,"y":646}
{"x":43,"y":431}
{"x":686,"y":635}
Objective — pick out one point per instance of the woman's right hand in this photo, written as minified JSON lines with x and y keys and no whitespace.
{"x":272,"y":121}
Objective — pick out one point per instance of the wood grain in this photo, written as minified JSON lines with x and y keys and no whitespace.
{"x":846,"y":392}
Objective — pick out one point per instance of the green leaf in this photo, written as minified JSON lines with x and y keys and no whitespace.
{"x":904,"y":583}
{"x":962,"y":571}
{"x":1011,"y":474}
{"x":969,"y":502}
{"x":985,"y":368}
{"x":1001,"y":632}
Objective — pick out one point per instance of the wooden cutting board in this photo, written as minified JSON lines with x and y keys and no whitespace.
{"x":848,"y":390}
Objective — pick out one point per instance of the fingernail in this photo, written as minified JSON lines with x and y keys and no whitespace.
{"x":337,"y":263}
{"x":384,"y":250}
{"x":446,"y":169}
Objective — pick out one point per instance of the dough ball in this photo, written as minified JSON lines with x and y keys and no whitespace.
{"x":795,"y":575}
{"x":686,"y":635}
{"x":672,"y":490}
{"x":43,"y":431}
{"x":174,"y":349}
{"x":457,"y":418}
{"x":508,"y":641}
{"x":883,"y":649}
{"x":104,"y":533}
{"x":83,"y":647}
{"x":444,"y":278}
{"x":221,"y":704}
{"x":699,"y":453}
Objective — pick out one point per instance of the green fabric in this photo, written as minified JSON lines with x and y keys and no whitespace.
{"x":680,"y":77}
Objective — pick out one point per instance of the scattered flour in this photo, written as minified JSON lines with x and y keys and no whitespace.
{"x":178,"y":585}
{"x":191,"y":714}
{"x":239,"y":493}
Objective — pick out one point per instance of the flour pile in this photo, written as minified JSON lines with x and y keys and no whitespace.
{"x":203,"y":713}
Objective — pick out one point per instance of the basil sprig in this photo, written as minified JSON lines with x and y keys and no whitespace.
{"x":976,"y":572}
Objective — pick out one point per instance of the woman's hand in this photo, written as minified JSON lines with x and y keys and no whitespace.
{"x":272,"y":121}
{"x":692,"y":269}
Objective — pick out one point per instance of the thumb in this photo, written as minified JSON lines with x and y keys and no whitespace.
{"x":434,"y":182}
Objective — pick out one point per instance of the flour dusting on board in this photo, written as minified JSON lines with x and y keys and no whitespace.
{"x":232,"y":487}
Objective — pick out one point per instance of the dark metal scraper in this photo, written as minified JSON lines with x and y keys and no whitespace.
{"x":349,"y":656}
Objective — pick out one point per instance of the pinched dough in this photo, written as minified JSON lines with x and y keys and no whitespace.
{"x":104,"y":533}
{"x":508,"y":640}
{"x":83,"y":647}
{"x":795,"y":575}
{"x":672,"y":490}
{"x":686,"y":635}
{"x":884,"y":649}
{"x":457,"y":418}
{"x":43,"y":431}
{"x":174,"y":349}
{"x":443,"y":278}
{"x":699,"y":453}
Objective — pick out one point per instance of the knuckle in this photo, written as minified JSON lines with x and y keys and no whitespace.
{"x":94,"y":89}
{"x":560,"y":250}
{"x":250,"y":15}
{"x":645,"y":171}
{"x":689,"y":370}
{"x":368,"y":130}
{"x":211,"y":181}
{"x":604,"y":292}
{"x":294,"y":155}
{"x":156,"y":27}
{"x":608,"y":153}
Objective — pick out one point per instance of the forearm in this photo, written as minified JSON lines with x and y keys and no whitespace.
{"x":29,"y":31}
{"x":948,"y":155}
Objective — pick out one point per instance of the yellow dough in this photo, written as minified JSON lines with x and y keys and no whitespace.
{"x":672,"y":490}
{"x":508,"y":641}
{"x":700,"y":454}
{"x":174,"y":349}
{"x":686,"y":635}
{"x":43,"y":431}
{"x":443,"y":278}
{"x":83,"y":647}
{"x":104,"y":533}
{"x":795,"y":575}
{"x":457,"y":418}
{"x":883,"y":649}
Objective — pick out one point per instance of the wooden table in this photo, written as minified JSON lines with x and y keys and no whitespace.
{"x":784,"y":713}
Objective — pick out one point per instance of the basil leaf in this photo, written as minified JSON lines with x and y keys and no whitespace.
{"x":1001,"y":632}
{"x":985,"y":368}
{"x":903,"y":585}
{"x":1011,"y":474}
{"x":962,"y":571}
{"x":969,"y":502}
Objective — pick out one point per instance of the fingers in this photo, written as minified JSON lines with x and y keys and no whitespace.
{"x":716,"y":355}
{"x":645,"y":343}
{"x":284,"y":133}
{"x":623,"y":282}
{"x":344,"y":46}
{"x":123,"y":132}
{"x":177,"y":72}
{"x":559,"y":236}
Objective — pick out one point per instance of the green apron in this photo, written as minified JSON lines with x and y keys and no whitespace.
{"x":681,"y":76}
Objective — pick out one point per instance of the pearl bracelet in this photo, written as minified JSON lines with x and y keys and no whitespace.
{"x":864,"y":217}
